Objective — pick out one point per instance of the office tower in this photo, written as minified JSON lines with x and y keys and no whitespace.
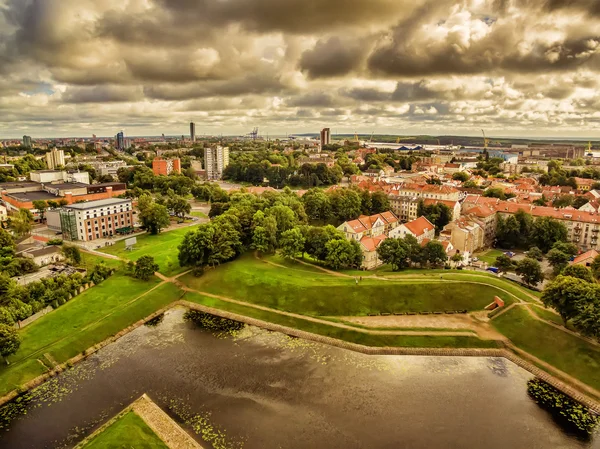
{"x":325,"y":137}
{"x":55,"y":158}
{"x":192,"y":131}
{"x":120,"y":141}
{"x":216,"y":159}
{"x":27,"y":141}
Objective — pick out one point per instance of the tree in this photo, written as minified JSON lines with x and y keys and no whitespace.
{"x":380,"y":202}
{"x":317,"y":204}
{"x":587,"y":320}
{"x":438,"y":214}
{"x":546,"y":231}
{"x":568,"y":295}
{"x":578,"y":271}
{"x":22,"y":222}
{"x":291,"y":242}
{"x":414,"y":249}
{"x":461,"y":176}
{"x":535,"y":253}
{"x":495,"y":192}
{"x":504,"y":263}
{"x":41,"y":207}
{"x":72,"y":253}
{"x":178,"y":205}
{"x":456,"y":258}
{"x":394,"y":252}
{"x":580,"y":201}
{"x":343,"y":253}
{"x":567,"y":248}
{"x":557,"y":259}
{"x":563,"y":201}
{"x":62,"y":202}
{"x":9,"y":341}
{"x":7,"y":244}
{"x":284,"y":216}
{"x":145,"y":267}
{"x":434,"y":253}
{"x":153,"y":216}
{"x":530,"y":270}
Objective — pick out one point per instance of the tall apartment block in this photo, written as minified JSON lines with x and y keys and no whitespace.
{"x":165,"y":167}
{"x":325,"y":137}
{"x":27,"y":143}
{"x":216,"y":159}
{"x":192,"y":131}
{"x":55,"y":158}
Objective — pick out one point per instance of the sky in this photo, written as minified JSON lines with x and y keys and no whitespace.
{"x":524,"y":68}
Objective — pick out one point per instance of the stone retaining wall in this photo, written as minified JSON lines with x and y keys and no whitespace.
{"x":21,"y":324}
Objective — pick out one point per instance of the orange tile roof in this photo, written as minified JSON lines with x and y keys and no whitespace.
{"x":419,"y":226}
{"x":372,"y":243}
{"x":591,"y":254}
{"x":481,"y":211}
{"x":365,"y":222}
{"x":450,"y":204}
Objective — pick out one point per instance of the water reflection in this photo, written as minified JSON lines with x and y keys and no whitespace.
{"x":252,"y":388}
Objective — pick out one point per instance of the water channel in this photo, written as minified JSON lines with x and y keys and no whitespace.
{"x":258,"y":390}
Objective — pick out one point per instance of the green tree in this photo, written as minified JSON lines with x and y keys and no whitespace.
{"x":568,"y":295}
{"x":7,"y":244}
{"x":504,"y":263}
{"x":563,"y":201}
{"x":579,"y":202}
{"x":41,"y":207}
{"x":434,"y":253}
{"x":317,"y":205}
{"x":72,"y":253}
{"x":546,"y":231}
{"x":558,"y":259}
{"x":587,"y":320}
{"x":456,"y":258}
{"x":284,"y":216}
{"x":343,"y":253}
{"x":461,"y":176}
{"x":578,"y":271}
{"x":495,"y":192}
{"x":379,"y":202}
{"x":22,"y":223}
{"x":567,"y":248}
{"x":145,"y":267}
{"x":9,"y":341}
{"x":535,"y":253}
{"x":154,"y":217}
{"x":438,"y":214}
{"x":179,"y":206}
{"x":394,"y":252}
{"x":530,"y":270}
{"x":595,"y":267}
{"x":291,"y":242}
{"x":414,"y":249}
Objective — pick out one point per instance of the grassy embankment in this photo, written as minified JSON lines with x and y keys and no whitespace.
{"x":566,"y":352}
{"x":128,"y":431}
{"x":163,"y":247}
{"x":86,"y":320}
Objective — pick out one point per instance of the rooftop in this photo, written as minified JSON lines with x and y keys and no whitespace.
{"x":98,"y":203}
{"x":33,"y":196}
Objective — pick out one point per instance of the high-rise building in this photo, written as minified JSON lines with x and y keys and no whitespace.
{"x":216,"y":159}
{"x":27,"y":141}
{"x":325,"y":137}
{"x":165,"y":167}
{"x":55,"y":158}
{"x":120,"y":141}
{"x":192,"y":131}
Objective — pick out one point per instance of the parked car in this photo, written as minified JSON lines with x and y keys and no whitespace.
{"x":493,"y":270}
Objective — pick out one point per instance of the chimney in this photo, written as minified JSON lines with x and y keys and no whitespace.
{"x":69,"y":197}
{"x":109,"y":191}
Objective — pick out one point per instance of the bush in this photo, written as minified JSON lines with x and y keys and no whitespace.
{"x":211,"y":322}
{"x":54,"y":242}
{"x":562,"y":407}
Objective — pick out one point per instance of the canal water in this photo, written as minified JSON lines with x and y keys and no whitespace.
{"x":255,"y":389}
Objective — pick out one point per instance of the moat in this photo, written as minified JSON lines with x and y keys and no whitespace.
{"x":256,"y":389}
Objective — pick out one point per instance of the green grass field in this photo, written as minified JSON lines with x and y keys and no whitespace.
{"x":320,"y":294}
{"x":409,"y":341}
{"x":128,"y":431}
{"x":490,"y":256}
{"x":89,"y":318}
{"x":566,"y":352}
{"x":163,"y":247}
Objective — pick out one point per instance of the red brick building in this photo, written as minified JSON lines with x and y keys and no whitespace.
{"x":165,"y":167}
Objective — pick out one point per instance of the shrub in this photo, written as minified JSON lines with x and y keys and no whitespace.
{"x":562,"y":407}
{"x":54,"y":242}
{"x":211,"y":322}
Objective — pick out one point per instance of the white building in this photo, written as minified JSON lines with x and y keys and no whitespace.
{"x":216,"y":159}
{"x":55,"y":158}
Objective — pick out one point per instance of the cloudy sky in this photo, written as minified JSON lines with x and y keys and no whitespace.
{"x":513,"y":67}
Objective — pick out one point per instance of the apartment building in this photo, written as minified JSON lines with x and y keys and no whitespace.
{"x":55,"y":158}
{"x":93,"y":219}
{"x":465,"y":235}
{"x":421,"y":228}
{"x":216,"y":160}
{"x":165,"y":167}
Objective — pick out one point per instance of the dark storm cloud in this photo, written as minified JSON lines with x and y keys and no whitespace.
{"x":368,"y":95}
{"x":332,"y":57}
{"x":312,"y":99}
{"x":102,"y":94}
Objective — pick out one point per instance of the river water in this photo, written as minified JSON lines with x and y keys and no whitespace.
{"x":259,"y":390}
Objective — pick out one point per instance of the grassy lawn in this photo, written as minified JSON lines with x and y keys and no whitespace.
{"x":128,"y":431}
{"x":89,"y":261}
{"x":564,"y":351}
{"x":490,"y":256}
{"x":197,"y":213}
{"x":551,"y":316}
{"x":163,"y":247}
{"x":89,"y":318}
{"x":409,"y":341}
{"x":320,"y":294}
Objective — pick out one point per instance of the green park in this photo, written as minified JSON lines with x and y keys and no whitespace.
{"x":305,"y":296}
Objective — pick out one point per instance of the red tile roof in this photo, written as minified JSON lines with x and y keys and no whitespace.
{"x":372,"y":243}
{"x":591,"y":254}
{"x":419,"y":226}
{"x":364,"y":222}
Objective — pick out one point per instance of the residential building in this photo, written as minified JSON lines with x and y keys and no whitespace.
{"x":42,"y":256}
{"x":369,"y":232}
{"x":584,"y":184}
{"x":421,"y":229}
{"x":465,"y":235}
{"x":216,"y":160}
{"x":93,"y":219}
{"x":165,"y":167}
{"x":404,"y":207}
{"x":315,"y":159}
{"x":454,"y":206}
{"x":55,"y":158}
{"x":192,"y":131}
{"x":27,"y":142}
{"x":586,"y":258}
{"x":486,"y":218}
{"x":325,"y":137}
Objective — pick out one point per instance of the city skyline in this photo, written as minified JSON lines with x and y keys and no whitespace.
{"x":517,"y":69}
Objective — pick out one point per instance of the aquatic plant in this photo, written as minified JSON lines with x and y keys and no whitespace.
{"x":212,"y":322}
